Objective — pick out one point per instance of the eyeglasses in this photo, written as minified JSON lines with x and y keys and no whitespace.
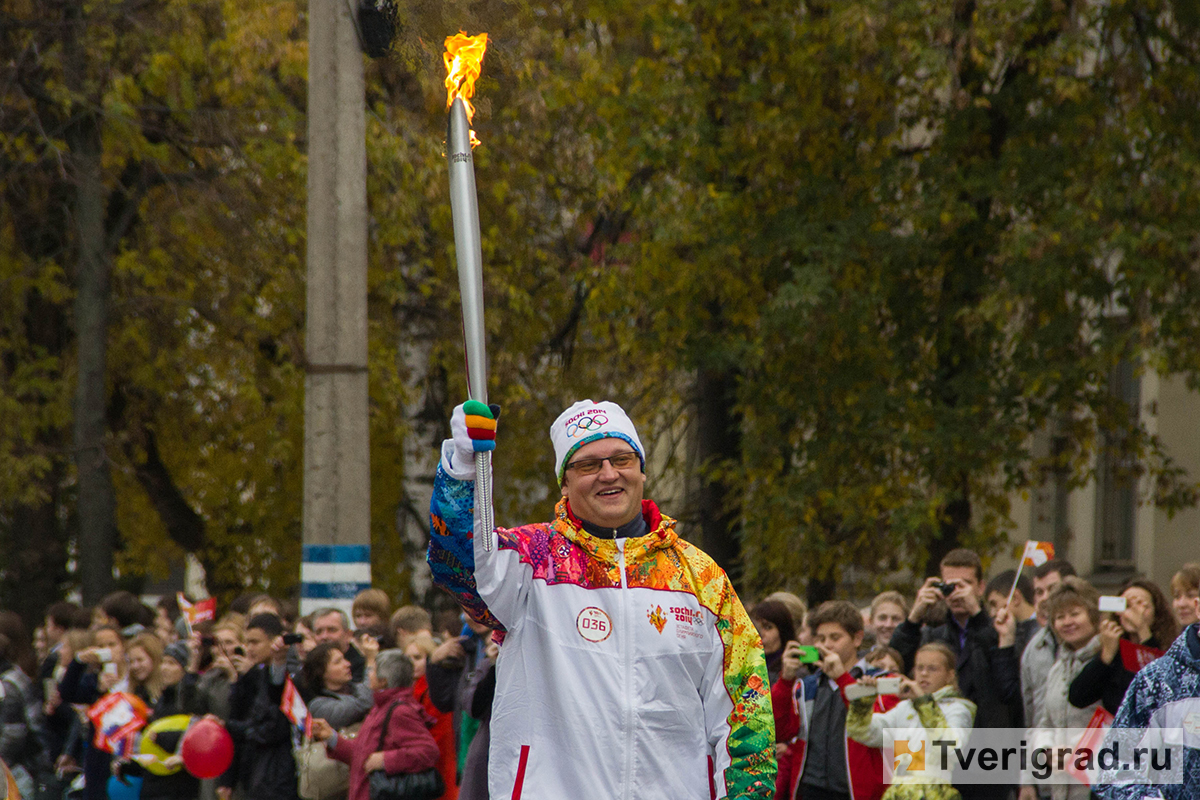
{"x":590,"y":466}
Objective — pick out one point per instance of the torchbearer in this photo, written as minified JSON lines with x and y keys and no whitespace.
{"x":628,"y":667}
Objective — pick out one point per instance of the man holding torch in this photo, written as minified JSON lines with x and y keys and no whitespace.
{"x":628,"y":668}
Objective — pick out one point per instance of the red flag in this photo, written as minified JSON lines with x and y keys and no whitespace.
{"x":1135,"y":656}
{"x":115,"y":717}
{"x":292,"y":706}
{"x":199,"y":611}
{"x":1037,"y":553}
{"x":1091,"y":741}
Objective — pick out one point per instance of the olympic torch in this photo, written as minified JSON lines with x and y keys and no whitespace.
{"x":464,"y":60}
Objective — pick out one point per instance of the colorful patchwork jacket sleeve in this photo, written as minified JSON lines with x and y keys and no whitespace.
{"x":742,"y":736}
{"x":451,"y":553}
{"x":491,"y":587}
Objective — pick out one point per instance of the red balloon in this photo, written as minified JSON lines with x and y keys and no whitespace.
{"x":206,"y":749}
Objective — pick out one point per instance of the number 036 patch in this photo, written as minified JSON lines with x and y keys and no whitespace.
{"x":593,"y":624}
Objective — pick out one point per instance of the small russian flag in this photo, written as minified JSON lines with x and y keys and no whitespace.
{"x":293,"y":707}
{"x":1037,"y":553}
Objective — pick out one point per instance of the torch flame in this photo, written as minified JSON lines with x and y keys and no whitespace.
{"x":464,"y":62}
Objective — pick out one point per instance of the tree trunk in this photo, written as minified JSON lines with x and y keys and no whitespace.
{"x":96,"y":503}
{"x":718,"y":443}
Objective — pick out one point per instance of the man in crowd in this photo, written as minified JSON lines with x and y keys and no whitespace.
{"x":1039,"y":655}
{"x":1021,"y":608}
{"x":59,"y":618}
{"x":264,"y":767}
{"x":969,"y":634}
{"x":822,"y":762}
{"x":628,"y":667}
{"x":333,"y":626}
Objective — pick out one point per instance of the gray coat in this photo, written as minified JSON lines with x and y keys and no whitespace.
{"x":341,"y":709}
{"x":1057,"y":711}
{"x":1036,"y":661}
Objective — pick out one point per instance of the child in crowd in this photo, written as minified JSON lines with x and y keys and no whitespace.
{"x":929,"y":701}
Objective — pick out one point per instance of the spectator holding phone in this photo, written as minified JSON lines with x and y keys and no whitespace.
{"x":1148,"y":621}
{"x":94,"y":672}
{"x":928,"y":701}
{"x":819,"y":762}
{"x":263,"y":767}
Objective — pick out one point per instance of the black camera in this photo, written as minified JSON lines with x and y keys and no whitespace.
{"x":239,"y":651}
{"x":293,"y":638}
{"x":946,"y":587}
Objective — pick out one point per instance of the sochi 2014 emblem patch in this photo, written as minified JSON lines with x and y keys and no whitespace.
{"x":657,"y":618}
{"x":593,"y":624}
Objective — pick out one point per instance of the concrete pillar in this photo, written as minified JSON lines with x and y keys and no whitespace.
{"x":337,"y":492}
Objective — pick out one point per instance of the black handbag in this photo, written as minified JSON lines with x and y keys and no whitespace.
{"x":426,"y":785}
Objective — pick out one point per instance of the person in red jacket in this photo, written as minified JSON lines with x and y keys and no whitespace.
{"x":820,"y":762}
{"x":407,"y":744}
{"x":420,"y":647}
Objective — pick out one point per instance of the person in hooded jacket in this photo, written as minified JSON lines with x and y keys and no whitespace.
{"x":395,"y":735}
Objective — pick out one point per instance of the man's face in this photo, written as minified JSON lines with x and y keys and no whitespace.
{"x":329,"y":628}
{"x":963,"y":576}
{"x":1043,"y":588}
{"x":833,"y":637}
{"x":258,"y":646}
{"x":611,"y":497}
{"x":54,"y":633}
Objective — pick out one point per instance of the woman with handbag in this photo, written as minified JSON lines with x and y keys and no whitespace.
{"x":394,"y":756}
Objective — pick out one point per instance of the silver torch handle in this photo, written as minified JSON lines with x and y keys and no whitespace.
{"x":464,"y":208}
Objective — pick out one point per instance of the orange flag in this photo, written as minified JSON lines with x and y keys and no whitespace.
{"x":1037,"y":553}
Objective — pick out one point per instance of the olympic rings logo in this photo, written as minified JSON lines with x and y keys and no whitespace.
{"x":586,"y":424}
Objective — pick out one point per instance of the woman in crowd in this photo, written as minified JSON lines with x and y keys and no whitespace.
{"x":94,"y":672}
{"x":928,"y":701}
{"x":394,"y":737}
{"x":159,"y":764}
{"x":335,"y":698}
{"x":1147,"y":620}
{"x":1074,"y":614}
{"x":1185,"y":588}
{"x":776,"y":628}
{"x":145,"y":652}
{"x":420,"y":648}
{"x":308,"y":640}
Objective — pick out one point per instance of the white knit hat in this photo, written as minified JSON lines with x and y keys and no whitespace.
{"x":587,"y":421}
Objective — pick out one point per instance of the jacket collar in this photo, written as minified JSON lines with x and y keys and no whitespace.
{"x":661,"y":534}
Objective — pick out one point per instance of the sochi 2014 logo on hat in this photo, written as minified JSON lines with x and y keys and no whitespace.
{"x":593,"y":624}
{"x":585,"y":422}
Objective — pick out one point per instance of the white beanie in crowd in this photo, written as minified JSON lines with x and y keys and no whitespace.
{"x":587,"y":421}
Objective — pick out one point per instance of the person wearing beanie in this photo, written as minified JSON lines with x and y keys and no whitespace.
{"x":627,"y":666}
{"x":157,"y":761}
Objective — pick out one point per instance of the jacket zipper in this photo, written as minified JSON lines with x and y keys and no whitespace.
{"x":628,"y":668}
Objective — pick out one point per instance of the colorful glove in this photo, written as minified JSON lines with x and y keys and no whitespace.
{"x":472,"y":430}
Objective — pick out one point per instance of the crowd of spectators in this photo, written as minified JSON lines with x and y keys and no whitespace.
{"x":393,"y":692}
